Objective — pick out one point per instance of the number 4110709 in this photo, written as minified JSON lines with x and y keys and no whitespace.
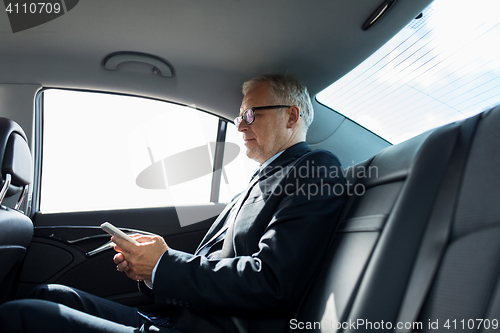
{"x":33,"y":8}
{"x":471,"y":324}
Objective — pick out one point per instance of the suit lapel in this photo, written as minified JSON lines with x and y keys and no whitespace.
{"x":218,"y":225}
{"x":287,"y":157}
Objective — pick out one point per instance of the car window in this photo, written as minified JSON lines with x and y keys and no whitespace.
{"x":236,"y":173}
{"x":105,"y":151}
{"x":442,"y":67}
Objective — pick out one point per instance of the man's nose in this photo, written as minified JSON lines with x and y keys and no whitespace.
{"x":243,"y":126}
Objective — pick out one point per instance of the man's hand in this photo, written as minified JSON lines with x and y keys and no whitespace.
{"x":138,"y":260}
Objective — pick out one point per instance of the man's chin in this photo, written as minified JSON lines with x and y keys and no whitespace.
{"x":253,"y":155}
{"x":250,"y":153}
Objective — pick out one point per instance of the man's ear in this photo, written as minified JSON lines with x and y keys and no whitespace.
{"x":293,"y":113}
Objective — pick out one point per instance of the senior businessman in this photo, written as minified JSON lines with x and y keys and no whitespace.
{"x":256,"y":260}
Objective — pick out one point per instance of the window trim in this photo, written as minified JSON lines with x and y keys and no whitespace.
{"x":218,"y":161}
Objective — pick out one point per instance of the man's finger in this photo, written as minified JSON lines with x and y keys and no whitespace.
{"x":117,"y":248}
{"x":123,"y":266}
{"x":144,"y":238}
{"x":136,"y":236}
{"x":118,"y":258}
{"x":121,"y":244}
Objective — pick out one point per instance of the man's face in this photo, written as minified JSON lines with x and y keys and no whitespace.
{"x":267,"y":135}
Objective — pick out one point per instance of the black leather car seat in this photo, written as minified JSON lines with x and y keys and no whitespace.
{"x":16,"y":229}
{"x":386,"y":264}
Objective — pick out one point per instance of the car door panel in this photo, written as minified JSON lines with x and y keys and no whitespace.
{"x":68,"y":247}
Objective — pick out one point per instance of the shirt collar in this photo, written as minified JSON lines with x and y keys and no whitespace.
{"x":270,"y":160}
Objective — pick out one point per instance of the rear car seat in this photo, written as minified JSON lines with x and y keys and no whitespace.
{"x":372,"y":258}
{"x":465,"y":291}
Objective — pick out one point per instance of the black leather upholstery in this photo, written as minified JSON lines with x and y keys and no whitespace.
{"x":16,"y":229}
{"x":373,"y":253}
{"x":15,"y":156}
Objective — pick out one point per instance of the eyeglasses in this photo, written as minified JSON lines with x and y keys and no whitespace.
{"x":249,"y":115}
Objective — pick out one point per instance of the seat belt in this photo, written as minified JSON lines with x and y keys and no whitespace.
{"x":438,"y":228}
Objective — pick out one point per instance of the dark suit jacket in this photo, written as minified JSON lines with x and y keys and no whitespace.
{"x":280,"y":236}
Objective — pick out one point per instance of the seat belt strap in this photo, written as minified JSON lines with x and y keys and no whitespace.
{"x":438,"y":228}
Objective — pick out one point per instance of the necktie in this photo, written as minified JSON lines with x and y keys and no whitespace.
{"x":227,"y":247}
{"x":254,"y":175}
{"x":213,"y":248}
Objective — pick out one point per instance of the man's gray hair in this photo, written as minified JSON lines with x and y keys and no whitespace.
{"x":286,"y":90}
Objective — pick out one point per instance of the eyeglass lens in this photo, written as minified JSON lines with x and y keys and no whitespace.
{"x":248,"y":116}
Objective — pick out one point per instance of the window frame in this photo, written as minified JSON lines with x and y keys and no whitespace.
{"x":34,"y":204}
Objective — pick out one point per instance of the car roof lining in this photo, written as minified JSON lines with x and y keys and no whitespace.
{"x":212,"y":46}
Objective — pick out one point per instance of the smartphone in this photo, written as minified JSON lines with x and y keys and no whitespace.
{"x":114,"y":231}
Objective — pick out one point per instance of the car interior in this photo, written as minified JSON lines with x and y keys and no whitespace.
{"x":89,"y":82}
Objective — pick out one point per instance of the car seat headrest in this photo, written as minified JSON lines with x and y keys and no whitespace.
{"x":15,"y":159}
